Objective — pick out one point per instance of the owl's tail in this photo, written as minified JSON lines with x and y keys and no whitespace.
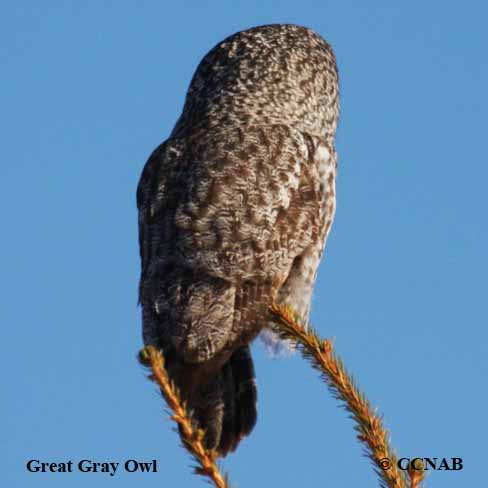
{"x":226,"y":407}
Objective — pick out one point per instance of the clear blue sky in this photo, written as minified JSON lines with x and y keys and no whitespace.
{"x":90,"y":88}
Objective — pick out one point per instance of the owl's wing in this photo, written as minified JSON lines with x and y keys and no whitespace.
{"x":251,"y":203}
{"x":154,"y":199}
{"x":223,"y":212}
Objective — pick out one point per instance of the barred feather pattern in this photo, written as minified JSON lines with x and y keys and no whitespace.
{"x":234,"y":211}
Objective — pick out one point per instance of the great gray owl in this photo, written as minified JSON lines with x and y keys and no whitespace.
{"x":234,"y":210}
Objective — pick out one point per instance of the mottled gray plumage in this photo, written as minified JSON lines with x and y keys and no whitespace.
{"x":234,"y":210}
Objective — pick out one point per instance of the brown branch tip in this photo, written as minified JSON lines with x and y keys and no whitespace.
{"x":153,"y":359}
{"x":371,"y":432}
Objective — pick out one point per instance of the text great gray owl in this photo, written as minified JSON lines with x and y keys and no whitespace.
{"x":234,"y":211}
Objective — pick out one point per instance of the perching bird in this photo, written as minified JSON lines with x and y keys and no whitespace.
{"x":234,"y":211}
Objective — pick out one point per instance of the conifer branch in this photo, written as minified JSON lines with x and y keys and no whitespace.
{"x":371,"y":431}
{"x":150,"y":357}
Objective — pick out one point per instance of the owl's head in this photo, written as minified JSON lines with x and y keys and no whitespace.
{"x":272,"y":74}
